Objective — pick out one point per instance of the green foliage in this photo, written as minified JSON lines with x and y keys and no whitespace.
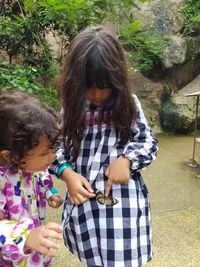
{"x":191,"y":9}
{"x":24,"y":25}
{"x":22,"y":35}
{"x":145,"y":47}
{"x":24,"y":78}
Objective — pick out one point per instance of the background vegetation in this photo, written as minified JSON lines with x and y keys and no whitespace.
{"x":24,"y":25}
{"x":191,"y":10}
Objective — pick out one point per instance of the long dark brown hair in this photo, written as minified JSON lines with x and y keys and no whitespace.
{"x":95,"y":58}
{"x":23,"y":120}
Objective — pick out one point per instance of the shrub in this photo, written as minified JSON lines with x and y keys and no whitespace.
{"x":25,"y":78}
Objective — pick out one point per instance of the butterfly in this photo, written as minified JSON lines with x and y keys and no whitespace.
{"x":103,"y":200}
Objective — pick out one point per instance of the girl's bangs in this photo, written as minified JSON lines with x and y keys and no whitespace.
{"x":97,"y":74}
{"x":98,"y":78}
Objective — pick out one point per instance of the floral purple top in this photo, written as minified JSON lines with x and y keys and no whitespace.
{"x":23,"y":202}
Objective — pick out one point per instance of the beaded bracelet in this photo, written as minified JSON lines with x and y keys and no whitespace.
{"x":62,"y":167}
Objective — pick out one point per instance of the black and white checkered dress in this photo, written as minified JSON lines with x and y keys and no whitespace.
{"x":119,"y":235}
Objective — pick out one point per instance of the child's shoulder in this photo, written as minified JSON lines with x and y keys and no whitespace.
{"x":5,"y":171}
{"x":43,"y":176}
{"x":43,"y":173}
{"x":135,"y":97}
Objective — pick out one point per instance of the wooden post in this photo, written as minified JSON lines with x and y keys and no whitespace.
{"x":194,"y":163}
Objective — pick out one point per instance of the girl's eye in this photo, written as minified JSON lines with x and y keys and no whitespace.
{"x":45,"y":153}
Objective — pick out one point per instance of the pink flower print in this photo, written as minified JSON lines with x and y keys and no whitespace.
{"x":48,"y":182}
{"x":30,"y":227}
{"x":11,"y":252}
{"x":36,"y":259}
{"x":20,"y":223}
{"x":5,"y":263}
{"x":42,"y":204}
{"x":9,"y":189}
{"x":14,"y":209}
{"x":9,"y":203}
{"x":36,"y":221}
{"x":5,"y":169}
{"x":9,"y":193}
{"x":27,"y":179}
{"x":24,"y":203}
{"x":7,"y":185}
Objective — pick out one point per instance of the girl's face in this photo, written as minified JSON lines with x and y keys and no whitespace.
{"x":98,"y":96}
{"x":39,"y":157}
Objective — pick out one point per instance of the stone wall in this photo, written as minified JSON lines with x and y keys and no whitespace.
{"x":179,"y":66}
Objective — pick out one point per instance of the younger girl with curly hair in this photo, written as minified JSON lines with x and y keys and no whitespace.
{"x":28,"y":138}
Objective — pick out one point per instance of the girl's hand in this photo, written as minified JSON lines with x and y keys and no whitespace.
{"x":41,"y":239}
{"x":118,"y":172}
{"x":78,"y":186}
{"x":55,"y":201}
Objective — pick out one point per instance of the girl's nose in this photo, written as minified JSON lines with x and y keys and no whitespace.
{"x":97,"y":93}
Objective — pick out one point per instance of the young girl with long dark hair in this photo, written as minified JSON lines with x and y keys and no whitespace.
{"x":107,"y":142}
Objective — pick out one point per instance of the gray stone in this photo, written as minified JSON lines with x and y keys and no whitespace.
{"x":166,"y":16}
{"x":175,"y":52}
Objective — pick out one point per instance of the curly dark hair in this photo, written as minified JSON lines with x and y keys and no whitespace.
{"x":23,"y":119}
{"x":95,"y":58}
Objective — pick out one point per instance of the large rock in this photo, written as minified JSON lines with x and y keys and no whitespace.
{"x":149,"y":93}
{"x":175,"y":52}
{"x":178,"y":111}
{"x":166,"y":16}
{"x":178,"y":66}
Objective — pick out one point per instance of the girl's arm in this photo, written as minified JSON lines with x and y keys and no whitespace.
{"x":137,"y":154}
{"x":60,"y":163}
{"x":142,"y":150}
{"x":78,"y":186}
{"x":45,"y":182}
{"x":18,"y":237}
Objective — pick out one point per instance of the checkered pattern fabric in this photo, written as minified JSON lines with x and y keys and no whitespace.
{"x":119,"y":235}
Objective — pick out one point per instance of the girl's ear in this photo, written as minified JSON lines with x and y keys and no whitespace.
{"x":5,"y":156}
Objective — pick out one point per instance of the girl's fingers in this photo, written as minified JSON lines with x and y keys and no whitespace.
{"x":52,"y":234}
{"x":80,"y":199}
{"x":50,"y":252}
{"x":107,"y":172}
{"x":88,"y":187}
{"x":48,"y":243}
{"x":54,"y":226}
{"x":84,"y":193}
{"x":108,"y":187}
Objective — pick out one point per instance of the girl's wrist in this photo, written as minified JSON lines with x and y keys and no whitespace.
{"x":125,"y":159}
{"x":63,"y":167}
{"x":66,"y":174}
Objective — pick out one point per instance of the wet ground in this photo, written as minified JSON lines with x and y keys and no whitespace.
{"x":175,"y":201}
